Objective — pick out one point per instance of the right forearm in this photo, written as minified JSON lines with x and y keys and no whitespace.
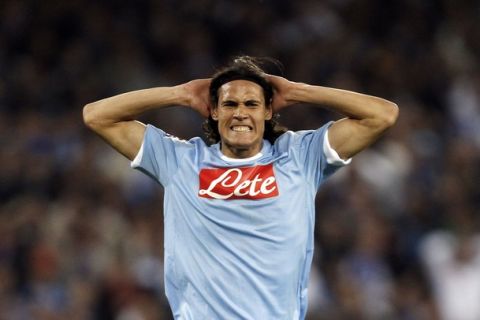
{"x":114,"y":118}
{"x":128,"y":106}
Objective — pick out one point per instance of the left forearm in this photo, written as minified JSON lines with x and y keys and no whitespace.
{"x":348,"y":103}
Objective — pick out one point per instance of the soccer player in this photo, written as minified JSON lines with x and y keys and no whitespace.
{"x":239,"y":214}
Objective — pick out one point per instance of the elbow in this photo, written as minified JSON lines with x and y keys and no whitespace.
{"x":389,"y":115}
{"x":89,"y":117}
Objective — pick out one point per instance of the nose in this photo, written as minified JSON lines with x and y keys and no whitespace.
{"x":240,"y":112}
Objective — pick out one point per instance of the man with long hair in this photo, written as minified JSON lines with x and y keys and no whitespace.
{"x":239,"y":214}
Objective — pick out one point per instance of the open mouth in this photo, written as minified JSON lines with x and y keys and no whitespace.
{"x":241,"y":128}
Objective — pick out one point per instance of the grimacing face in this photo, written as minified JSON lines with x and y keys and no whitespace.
{"x":241,"y":113}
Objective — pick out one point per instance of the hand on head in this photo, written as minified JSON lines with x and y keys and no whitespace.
{"x":282,"y":88}
{"x":197,"y":96}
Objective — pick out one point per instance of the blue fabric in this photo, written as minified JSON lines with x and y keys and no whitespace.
{"x":237,"y":258}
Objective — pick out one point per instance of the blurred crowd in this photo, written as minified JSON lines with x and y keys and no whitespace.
{"x":397,"y":232}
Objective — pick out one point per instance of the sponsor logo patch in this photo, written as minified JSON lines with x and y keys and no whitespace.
{"x":238,"y":183}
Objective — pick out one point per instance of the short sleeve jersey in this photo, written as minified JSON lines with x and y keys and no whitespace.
{"x":238,"y":232}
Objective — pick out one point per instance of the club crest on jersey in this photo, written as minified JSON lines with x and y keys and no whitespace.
{"x":252,"y":183}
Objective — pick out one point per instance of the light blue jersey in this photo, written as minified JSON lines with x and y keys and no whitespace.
{"x":238,"y":232}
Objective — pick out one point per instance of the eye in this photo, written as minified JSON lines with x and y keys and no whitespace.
{"x":252,"y":103}
{"x":229,"y":103}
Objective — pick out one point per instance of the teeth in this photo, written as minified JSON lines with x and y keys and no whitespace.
{"x":241,"y":128}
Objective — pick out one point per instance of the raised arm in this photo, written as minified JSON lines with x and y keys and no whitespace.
{"x":366,"y":117}
{"x":114,"y":118}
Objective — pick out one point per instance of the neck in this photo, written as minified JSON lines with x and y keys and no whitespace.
{"x":239,"y":152}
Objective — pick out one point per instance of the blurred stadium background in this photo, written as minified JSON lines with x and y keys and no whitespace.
{"x":397,"y":233}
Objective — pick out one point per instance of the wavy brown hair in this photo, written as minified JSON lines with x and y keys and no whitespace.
{"x":243,"y":68}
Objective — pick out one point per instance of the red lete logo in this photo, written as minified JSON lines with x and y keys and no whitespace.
{"x":238,"y":183}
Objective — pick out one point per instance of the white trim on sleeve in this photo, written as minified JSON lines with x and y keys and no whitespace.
{"x":138,"y":158}
{"x":332,"y":155}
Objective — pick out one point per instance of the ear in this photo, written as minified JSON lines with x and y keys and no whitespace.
{"x":214,"y":113}
{"x":268,"y":113}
